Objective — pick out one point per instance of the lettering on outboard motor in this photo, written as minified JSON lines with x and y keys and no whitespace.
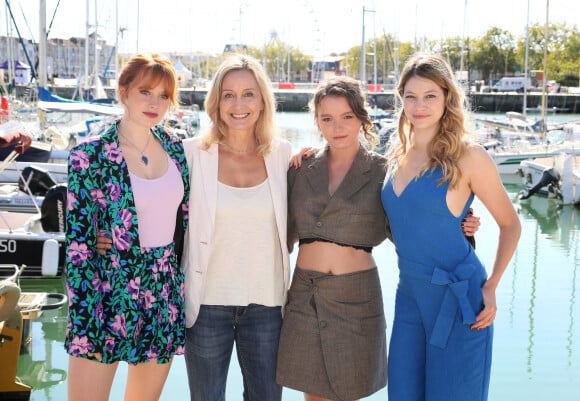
{"x":60,"y":213}
{"x":53,"y":212}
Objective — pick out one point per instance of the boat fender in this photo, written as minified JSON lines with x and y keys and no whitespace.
{"x":4,"y":114}
{"x":49,"y":258}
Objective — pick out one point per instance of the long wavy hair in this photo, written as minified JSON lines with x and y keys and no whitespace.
{"x":265,"y":130}
{"x":352,"y":91}
{"x":451,"y":141}
{"x":147,"y":70}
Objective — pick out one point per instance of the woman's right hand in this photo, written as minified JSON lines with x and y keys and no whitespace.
{"x":104,"y":243}
{"x":304,"y":153}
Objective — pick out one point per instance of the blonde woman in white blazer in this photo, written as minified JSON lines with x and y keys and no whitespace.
{"x":235,"y":255}
{"x":202,"y":210}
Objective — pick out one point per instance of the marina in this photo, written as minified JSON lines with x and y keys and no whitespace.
{"x":537,"y":343}
{"x":297,"y":99}
{"x":536,"y":347}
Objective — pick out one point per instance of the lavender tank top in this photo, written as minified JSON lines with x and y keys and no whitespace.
{"x":157,"y":201}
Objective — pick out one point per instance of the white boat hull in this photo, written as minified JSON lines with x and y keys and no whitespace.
{"x":11,"y":173}
{"x":36,"y":240}
{"x":565,"y":187}
{"x":509,"y":163}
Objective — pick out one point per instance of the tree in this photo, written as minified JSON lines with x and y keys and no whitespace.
{"x":281,"y":61}
{"x":563,"y":50}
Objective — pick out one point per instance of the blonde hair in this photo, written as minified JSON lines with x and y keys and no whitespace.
{"x":265,"y":130}
{"x":148,"y":70}
{"x":450,"y":142}
{"x":352,"y":91}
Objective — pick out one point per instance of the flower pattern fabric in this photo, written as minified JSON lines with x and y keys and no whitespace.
{"x":127,"y":305}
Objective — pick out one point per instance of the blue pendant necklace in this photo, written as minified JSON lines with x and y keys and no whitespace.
{"x":144,"y":158}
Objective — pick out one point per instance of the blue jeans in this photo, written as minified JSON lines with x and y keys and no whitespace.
{"x":255,"y":329}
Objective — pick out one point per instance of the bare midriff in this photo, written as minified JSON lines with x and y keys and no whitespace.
{"x":330,"y":258}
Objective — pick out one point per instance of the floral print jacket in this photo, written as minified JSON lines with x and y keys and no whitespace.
{"x":100,"y":200}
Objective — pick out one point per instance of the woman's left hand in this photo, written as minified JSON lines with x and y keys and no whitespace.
{"x":486,"y":317}
{"x":104,"y":243}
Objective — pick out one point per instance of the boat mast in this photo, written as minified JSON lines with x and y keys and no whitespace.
{"x":86,"y":80}
{"x":545,"y":81}
{"x":525,"y":103}
{"x":42,"y":45}
{"x":374,"y":49}
{"x":9,"y":48}
{"x":461,"y":65}
{"x":96,"y":68}
{"x":116,"y":39}
{"x":363,"y":66}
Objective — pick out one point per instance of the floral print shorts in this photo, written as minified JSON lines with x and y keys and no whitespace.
{"x":127,"y":312}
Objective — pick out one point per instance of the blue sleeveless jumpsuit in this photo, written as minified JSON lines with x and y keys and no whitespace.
{"x":433,"y":353}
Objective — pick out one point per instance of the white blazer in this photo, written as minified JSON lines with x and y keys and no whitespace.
{"x":203,"y":168}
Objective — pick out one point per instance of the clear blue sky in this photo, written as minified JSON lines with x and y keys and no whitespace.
{"x":318,"y":27}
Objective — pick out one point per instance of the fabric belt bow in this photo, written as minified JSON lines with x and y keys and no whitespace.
{"x":457,"y":282}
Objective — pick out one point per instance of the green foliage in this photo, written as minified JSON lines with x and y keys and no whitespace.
{"x":497,"y":53}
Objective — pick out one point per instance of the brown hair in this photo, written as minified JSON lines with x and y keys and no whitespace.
{"x":265,"y":130}
{"x":450,"y":143}
{"x":148,"y":70}
{"x":351,"y":90}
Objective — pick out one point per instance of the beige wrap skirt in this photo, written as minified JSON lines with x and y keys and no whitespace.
{"x":333,"y":339}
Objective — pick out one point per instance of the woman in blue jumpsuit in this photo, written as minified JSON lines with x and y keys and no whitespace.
{"x":441,"y":343}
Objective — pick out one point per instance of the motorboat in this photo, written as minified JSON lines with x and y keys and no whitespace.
{"x":509,"y":162}
{"x":513,"y":121}
{"x":13,"y":199}
{"x":557,"y":177}
{"x":184,"y":122}
{"x":36,"y":239}
{"x":12,"y":172}
{"x":28,"y":239}
{"x":509,"y":150}
{"x":28,"y":193}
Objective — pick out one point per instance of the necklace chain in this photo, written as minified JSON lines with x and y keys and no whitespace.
{"x":240,"y":152}
{"x":144,"y":158}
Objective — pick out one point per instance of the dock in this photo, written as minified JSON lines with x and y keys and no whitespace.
{"x":297,"y":99}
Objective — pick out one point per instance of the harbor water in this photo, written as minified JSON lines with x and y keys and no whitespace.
{"x":537,"y":329}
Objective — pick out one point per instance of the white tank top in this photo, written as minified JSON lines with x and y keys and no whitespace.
{"x":157,"y":201}
{"x":245,"y":264}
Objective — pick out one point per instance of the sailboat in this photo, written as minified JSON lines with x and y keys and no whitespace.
{"x":521,"y":139}
{"x":558,"y":175}
{"x":49,"y":102}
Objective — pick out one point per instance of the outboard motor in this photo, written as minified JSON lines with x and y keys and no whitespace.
{"x":39,"y":180}
{"x":53,"y":209}
{"x":549,"y":177}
